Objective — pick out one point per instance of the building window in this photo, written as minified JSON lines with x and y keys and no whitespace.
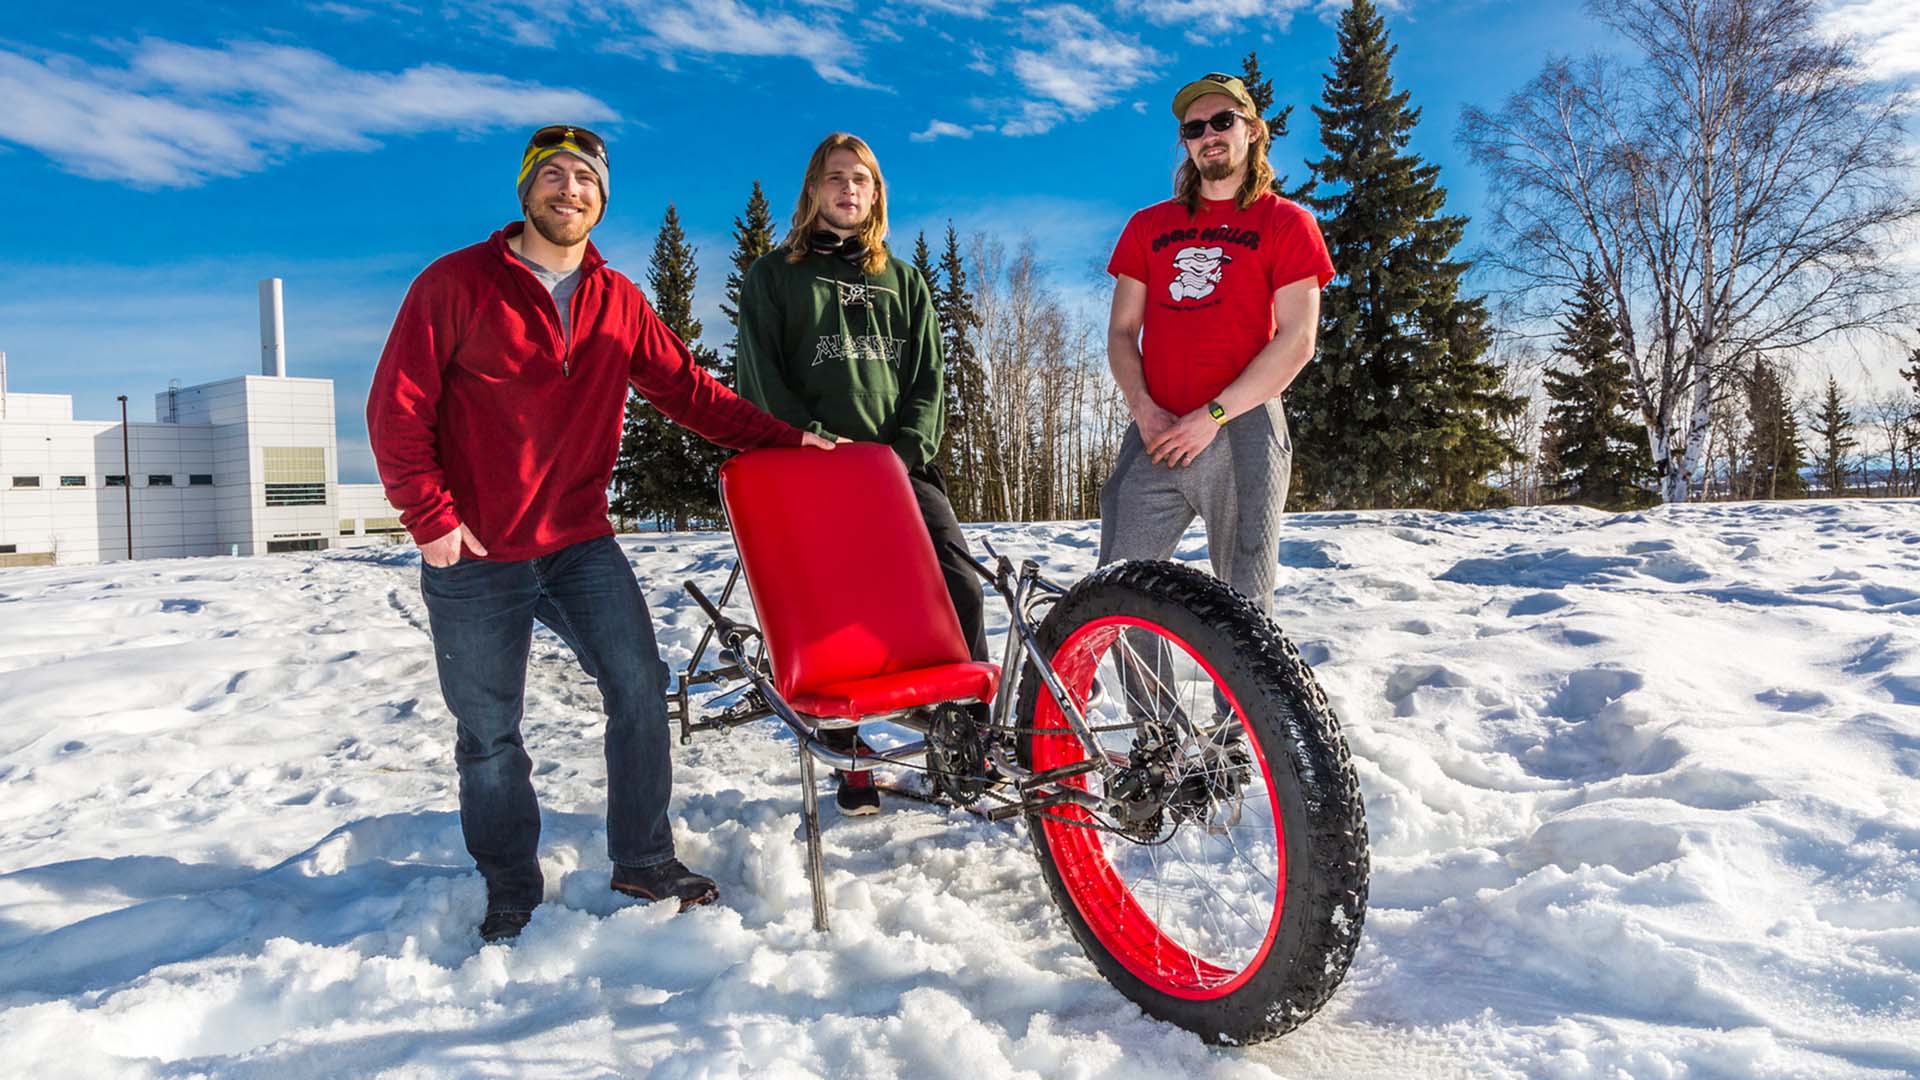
{"x":73,"y":481}
{"x":384,"y":526}
{"x":160,"y":480}
{"x":346,"y":526}
{"x":295,"y":475}
{"x":294,"y":464}
{"x":274,"y":547}
{"x":200,"y":479}
{"x":26,"y":481}
{"x":116,"y":481}
{"x":8,"y":549}
{"x":296,"y":494}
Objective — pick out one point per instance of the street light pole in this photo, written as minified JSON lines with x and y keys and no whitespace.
{"x":126,"y":472}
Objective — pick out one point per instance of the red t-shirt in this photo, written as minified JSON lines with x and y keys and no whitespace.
{"x":1210,"y":282}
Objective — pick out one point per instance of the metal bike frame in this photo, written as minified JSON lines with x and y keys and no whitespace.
{"x":1024,"y":591}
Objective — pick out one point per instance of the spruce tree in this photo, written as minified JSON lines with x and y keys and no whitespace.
{"x":1910,"y":430}
{"x":665,"y":473}
{"x":923,"y":262}
{"x":1596,"y":448}
{"x":1912,"y":375}
{"x":1774,"y":451}
{"x":1466,"y":411}
{"x":1260,"y":89}
{"x":922,"y":258}
{"x":1400,"y":407}
{"x":1833,"y":424}
{"x":752,"y":238}
{"x":961,"y":456}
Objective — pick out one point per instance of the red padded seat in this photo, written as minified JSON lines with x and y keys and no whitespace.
{"x":900,"y":690}
{"x":850,"y":599}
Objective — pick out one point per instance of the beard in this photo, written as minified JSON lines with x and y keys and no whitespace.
{"x":561,"y":231}
{"x":1219,"y":168}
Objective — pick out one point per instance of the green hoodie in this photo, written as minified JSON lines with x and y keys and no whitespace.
{"x":839,"y":352}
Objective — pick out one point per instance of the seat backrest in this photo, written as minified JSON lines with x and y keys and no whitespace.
{"x":839,"y":563}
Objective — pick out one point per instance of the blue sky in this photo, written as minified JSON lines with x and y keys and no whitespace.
{"x":160,"y":159}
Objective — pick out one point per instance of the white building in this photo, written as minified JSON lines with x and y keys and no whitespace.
{"x":246,"y":465}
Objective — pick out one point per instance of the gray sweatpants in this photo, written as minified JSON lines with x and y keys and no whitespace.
{"x":1238,"y":488}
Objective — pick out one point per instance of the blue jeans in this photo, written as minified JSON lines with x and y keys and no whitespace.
{"x":482,"y":615}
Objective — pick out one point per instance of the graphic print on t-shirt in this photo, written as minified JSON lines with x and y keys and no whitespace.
{"x":1196,"y":270}
{"x":1210,"y":274}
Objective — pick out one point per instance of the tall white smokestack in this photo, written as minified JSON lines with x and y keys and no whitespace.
{"x":273,"y":329}
{"x":3,"y":384}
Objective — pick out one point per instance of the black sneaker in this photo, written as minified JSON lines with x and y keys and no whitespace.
{"x":503,"y":925}
{"x":663,"y":880}
{"x":857,"y":796}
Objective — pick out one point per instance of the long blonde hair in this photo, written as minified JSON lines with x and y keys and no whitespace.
{"x":1258,"y":178}
{"x":806,"y":211}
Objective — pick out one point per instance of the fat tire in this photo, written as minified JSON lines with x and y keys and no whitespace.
{"x":1312,"y":775}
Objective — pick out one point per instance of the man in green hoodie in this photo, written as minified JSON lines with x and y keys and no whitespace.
{"x":841,"y":340}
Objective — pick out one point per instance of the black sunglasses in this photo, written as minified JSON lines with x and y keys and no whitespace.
{"x":1219,"y":121}
{"x":557,"y":134}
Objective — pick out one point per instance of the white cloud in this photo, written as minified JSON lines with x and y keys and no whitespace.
{"x":668,"y":30}
{"x":1214,"y":14}
{"x":725,"y":27}
{"x":940,"y":127}
{"x":179,"y":115}
{"x":1203,"y":16}
{"x":1888,"y":33}
{"x":1084,"y":67}
{"x":971,"y":9}
{"x":342,"y":11}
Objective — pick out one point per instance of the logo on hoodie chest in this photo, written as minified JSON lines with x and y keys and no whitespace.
{"x":853,"y":350}
{"x":855,"y":293}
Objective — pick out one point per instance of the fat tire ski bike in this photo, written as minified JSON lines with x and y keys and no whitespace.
{"x":1183,"y":780}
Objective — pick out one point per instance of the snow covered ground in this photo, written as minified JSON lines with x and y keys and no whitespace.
{"x":1644,"y":794}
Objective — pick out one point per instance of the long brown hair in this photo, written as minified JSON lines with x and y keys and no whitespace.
{"x":806,"y":211}
{"x":1258,"y":177}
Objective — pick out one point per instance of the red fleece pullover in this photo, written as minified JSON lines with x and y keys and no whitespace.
{"x":483,"y":414}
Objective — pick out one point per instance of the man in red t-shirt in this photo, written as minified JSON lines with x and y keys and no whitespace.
{"x":495,"y":420}
{"x":1215,"y":301}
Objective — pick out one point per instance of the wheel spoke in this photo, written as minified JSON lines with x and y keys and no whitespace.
{"x":1200,"y":914}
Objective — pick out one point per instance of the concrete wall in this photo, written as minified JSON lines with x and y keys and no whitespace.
{"x":366,"y":518}
{"x":56,"y":407}
{"x":222,"y":434}
{"x":75,"y":513}
{"x":292,"y":414}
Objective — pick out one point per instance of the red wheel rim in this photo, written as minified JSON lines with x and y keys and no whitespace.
{"x":1149,"y":946}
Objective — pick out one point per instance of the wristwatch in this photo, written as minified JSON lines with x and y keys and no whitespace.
{"x":1218,"y":412}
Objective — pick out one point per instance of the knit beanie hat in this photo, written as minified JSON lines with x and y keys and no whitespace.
{"x":564,"y":139}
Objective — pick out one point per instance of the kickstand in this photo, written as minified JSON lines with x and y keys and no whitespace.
{"x":810,"y":816}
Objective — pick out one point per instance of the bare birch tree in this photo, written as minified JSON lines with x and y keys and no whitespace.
{"x":1895,"y":429}
{"x":1054,"y":417}
{"x":1738,"y":185}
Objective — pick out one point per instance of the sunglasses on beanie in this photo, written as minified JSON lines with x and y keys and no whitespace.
{"x":563,"y":134}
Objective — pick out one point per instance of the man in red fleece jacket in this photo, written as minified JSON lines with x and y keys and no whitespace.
{"x":495,"y":420}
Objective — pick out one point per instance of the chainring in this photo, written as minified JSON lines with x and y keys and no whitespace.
{"x":956,"y":754}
